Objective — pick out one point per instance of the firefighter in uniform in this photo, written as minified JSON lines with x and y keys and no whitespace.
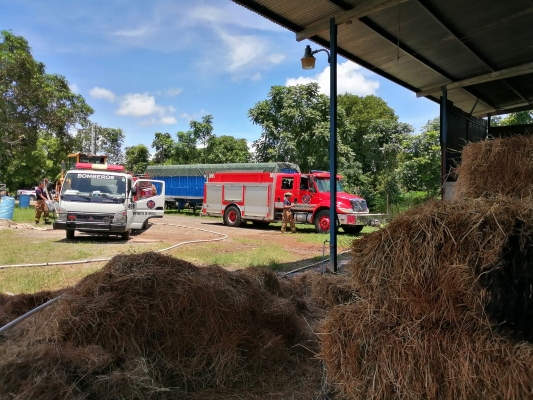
{"x":287,"y":214}
{"x":40,"y":205}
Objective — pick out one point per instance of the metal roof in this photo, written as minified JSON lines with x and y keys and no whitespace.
{"x":480,"y":50}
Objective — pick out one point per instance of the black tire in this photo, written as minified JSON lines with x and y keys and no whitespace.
{"x":32,"y":197}
{"x":232,"y":216}
{"x":145,"y":225}
{"x":70,"y":234}
{"x":322,"y":223}
{"x":125,"y":235}
{"x":352,"y":229}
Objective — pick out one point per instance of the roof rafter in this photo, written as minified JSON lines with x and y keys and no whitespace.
{"x":491,"y":76}
{"x":457,"y":36}
{"x":362,"y":10}
{"x":413,"y":54}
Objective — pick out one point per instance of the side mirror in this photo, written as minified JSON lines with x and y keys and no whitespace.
{"x":134,"y":190}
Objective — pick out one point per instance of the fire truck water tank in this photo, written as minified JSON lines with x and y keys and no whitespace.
{"x":303,"y":217}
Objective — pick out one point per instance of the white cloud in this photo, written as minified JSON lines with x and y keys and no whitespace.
{"x":100,"y":93}
{"x":133,"y":33}
{"x":173,"y":91}
{"x":349,"y":80}
{"x":168,"y":120}
{"x":229,"y":15}
{"x":138,"y":105}
{"x":74,"y":88}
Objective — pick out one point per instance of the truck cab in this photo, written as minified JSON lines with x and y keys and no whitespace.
{"x":103,"y":199}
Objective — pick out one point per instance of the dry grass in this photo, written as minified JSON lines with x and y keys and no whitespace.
{"x":148,"y":326}
{"x":499,"y":167}
{"x":435,"y":287}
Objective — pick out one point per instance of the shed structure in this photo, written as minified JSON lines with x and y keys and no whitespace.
{"x":473,"y":57}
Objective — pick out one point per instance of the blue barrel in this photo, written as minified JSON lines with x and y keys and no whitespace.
{"x":24,"y":200}
{"x":7,"y":207}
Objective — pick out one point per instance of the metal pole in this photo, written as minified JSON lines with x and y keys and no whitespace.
{"x":333,"y":145}
{"x":443,"y":138}
{"x":93,"y":150}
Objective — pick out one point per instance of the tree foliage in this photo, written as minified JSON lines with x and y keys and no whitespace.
{"x":107,"y":141}
{"x":227,"y":149}
{"x":421,"y":160}
{"x":34,"y":105}
{"x":136,"y":158}
{"x":199,"y":145}
{"x":295,"y":128}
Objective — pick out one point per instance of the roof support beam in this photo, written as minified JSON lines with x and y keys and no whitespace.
{"x":367,"y":8}
{"x":491,"y":76}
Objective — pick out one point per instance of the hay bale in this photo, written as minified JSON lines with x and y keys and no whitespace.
{"x":499,"y":167}
{"x":447,"y":263}
{"x":372,"y":355}
{"x":167,"y":328}
{"x":445,"y":304}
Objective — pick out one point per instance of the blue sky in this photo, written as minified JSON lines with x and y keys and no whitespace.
{"x":153,"y":66}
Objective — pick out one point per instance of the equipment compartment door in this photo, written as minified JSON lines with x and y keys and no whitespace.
{"x":256,"y":202}
{"x":213,"y":199}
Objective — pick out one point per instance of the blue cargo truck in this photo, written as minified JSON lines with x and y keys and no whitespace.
{"x":184,"y":184}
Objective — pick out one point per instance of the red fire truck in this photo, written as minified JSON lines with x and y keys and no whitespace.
{"x":239,"y":197}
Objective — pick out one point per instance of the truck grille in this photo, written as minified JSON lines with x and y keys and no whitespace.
{"x":94,"y":217}
{"x":359,"y":205}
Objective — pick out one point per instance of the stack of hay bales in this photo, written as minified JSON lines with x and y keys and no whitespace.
{"x":446,"y":293}
{"x":148,"y":326}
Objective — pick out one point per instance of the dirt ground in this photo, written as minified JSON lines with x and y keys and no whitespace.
{"x":173,"y":229}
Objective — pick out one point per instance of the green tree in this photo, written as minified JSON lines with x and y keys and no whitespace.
{"x":517,"y":118}
{"x":227,"y":149}
{"x":185,"y":150}
{"x":137,"y":158}
{"x":164,"y":148}
{"x":295,"y":128}
{"x":421,"y":160}
{"x":108,"y":141}
{"x":380,"y":154}
{"x":33,"y":105}
{"x":361,"y":112}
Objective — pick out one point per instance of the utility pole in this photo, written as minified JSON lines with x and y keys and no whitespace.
{"x":93,"y":139}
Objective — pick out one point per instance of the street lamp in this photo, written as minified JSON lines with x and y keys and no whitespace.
{"x":308,"y":62}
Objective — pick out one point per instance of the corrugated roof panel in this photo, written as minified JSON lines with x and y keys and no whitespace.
{"x":452,"y":39}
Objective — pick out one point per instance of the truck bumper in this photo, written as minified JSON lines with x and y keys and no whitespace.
{"x":361,"y":219}
{"x":89,"y":227}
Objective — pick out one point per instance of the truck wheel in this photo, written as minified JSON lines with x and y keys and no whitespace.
{"x":352,"y":229}
{"x":232,"y":216}
{"x":70,"y":234}
{"x":125,"y":235}
{"x":32,"y":197}
{"x":322,"y":223}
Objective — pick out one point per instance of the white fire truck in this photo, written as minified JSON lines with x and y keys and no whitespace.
{"x":104,"y":199}
{"x":239,"y":197}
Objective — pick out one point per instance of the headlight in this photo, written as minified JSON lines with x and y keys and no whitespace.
{"x":120,"y":217}
{"x":61,"y":216}
{"x":345,"y":210}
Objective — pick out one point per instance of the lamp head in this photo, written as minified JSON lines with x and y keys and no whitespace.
{"x":308,"y":60}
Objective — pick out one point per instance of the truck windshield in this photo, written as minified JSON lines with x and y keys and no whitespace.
{"x":93,"y":187}
{"x":323,"y":185}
